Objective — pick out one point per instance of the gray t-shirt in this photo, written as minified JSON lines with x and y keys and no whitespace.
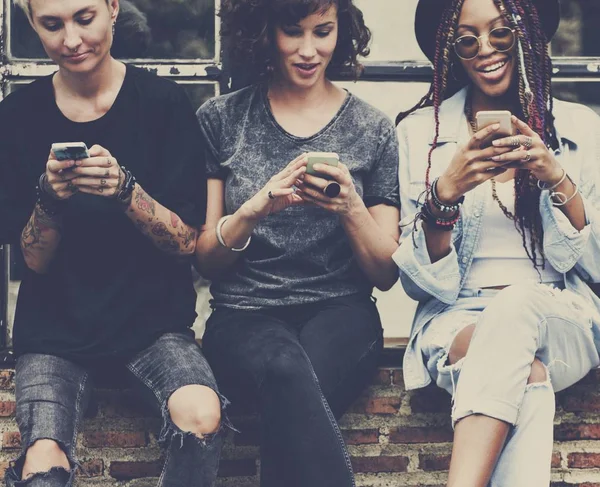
{"x":302,"y":254}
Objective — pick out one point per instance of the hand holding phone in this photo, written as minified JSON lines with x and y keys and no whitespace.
{"x":65,"y":151}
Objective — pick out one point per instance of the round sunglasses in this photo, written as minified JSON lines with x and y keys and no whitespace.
{"x":501,"y":39}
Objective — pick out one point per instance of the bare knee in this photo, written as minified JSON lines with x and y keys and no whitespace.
{"x":195,"y":409}
{"x":460,"y":344}
{"x":42,"y":456}
{"x":538,"y":372}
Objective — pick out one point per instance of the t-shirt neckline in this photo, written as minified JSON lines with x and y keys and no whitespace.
{"x":263,"y":88}
{"x":97,"y":120}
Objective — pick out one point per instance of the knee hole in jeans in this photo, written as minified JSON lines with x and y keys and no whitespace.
{"x":538,"y":372}
{"x":42,"y":456}
{"x":460,"y":345}
{"x":195,"y":409}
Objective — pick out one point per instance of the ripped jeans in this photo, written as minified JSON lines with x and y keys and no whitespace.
{"x":513,"y":327}
{"x":52,"y":394}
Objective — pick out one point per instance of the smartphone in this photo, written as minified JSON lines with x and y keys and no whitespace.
{"x":65,"y":151}
{"x":485,"y":118}
{"x":329,"y":158}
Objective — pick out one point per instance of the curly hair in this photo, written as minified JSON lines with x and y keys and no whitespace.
{"x":249,"y":26}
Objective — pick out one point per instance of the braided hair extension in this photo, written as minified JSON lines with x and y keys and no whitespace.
{"x":535,"y":101}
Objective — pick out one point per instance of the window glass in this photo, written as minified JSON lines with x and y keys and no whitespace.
{"x":392,"y":27}
{"x":164,"y":29}
{"x":586,"y":92}
{"x":578,"y":33}
{"x":199,"y":92}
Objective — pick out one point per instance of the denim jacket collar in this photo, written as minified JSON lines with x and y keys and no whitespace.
{"x":453,"y":121}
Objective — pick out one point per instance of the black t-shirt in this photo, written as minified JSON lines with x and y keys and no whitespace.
{"x":109,"y":292}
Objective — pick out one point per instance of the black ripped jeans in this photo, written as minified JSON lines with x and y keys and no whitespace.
{"x":303,"y":365}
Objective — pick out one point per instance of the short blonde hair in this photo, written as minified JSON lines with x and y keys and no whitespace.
{"x":26,"y":6}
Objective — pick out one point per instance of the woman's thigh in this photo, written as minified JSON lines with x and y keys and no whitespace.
{"x":436,"y":341}
{"x":343,"y":341}
{"x":245,"y":348}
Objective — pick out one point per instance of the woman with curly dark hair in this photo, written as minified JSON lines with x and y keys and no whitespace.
{"x":294,"y":251}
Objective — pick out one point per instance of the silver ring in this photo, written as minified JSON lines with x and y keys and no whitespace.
{"x":528,"y":142}
{"x":103,"y":182}
{"x":527,"y":157}
{"x":270,"y":195}
{"x":332,"y":189}
{"x":514,"y":141}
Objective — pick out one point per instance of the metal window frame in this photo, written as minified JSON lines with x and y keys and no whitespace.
{"x":216,"y":70}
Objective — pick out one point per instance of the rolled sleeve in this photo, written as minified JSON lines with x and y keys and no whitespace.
{"x":564,"y":246}
{"x":422,"y":279}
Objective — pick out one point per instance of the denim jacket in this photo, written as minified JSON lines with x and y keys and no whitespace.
{"x":436,"y":285}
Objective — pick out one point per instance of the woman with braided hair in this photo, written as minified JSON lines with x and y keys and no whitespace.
{"x":500,"y":235}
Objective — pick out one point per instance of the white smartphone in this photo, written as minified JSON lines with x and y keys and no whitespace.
{"x":65,"y":151}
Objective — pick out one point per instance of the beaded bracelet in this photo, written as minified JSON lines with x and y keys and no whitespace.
{"x":439,"y":223}
{"x":444,"y":207}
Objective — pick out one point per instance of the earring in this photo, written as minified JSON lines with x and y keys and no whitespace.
{"x":113,"y":27}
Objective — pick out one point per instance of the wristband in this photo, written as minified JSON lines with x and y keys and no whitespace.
{"x":222,"y":240}
{"x":444,"y":207}
{"x":49,"y":205}
{"x":124,"y":195}
{"x":439,"y":223}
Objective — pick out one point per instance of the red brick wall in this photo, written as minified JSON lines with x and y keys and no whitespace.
{"x":394,"y":437}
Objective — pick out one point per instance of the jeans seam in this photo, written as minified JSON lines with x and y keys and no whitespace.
{"x":135,"y":371}
{"x":358,"y":362}
{"x":77,"y":412}
{"x":164,"y":468}
{"x":333,"y":423}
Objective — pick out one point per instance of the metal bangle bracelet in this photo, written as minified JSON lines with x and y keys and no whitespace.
{"x":542,"y":187}
{"x":221,"y":240}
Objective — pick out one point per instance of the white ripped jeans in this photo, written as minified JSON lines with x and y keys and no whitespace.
{"x":513,"y":327}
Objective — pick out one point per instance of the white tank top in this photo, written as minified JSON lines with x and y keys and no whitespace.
{"x":500,"y":258}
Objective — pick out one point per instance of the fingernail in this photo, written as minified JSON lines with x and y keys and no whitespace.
{"x":496,"y":142}
{"x":496,"y":158}
{"x":77,"y":162}
{"x":496,"y":126}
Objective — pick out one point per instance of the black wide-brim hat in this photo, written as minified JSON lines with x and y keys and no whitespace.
{"x":429,"y":15}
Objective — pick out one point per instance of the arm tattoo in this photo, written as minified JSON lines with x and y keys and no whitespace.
{"x":34,"y":237}
{"x":174,"y":220}
{"x":188,"y":235}
{"x":162,"y":226}
{"x":160,"y":230}
{"x":145,"y":203}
